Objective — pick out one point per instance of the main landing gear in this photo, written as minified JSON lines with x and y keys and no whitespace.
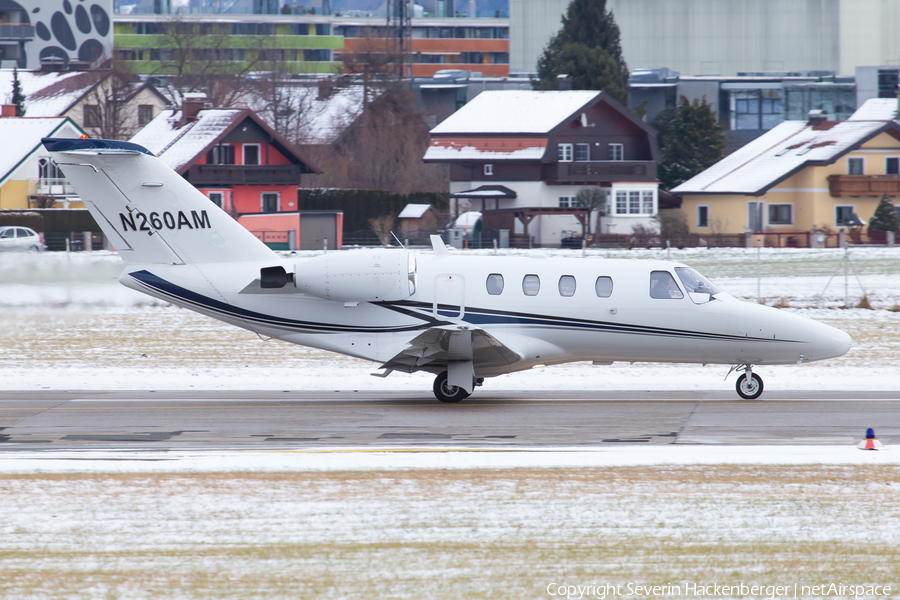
{"x":749,"y":385}
{"x":445,"y":392}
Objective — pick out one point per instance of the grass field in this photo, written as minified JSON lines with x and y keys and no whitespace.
{"x":445,"y":534}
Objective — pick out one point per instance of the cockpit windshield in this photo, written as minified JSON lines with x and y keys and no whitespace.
{"x":699,"y":288}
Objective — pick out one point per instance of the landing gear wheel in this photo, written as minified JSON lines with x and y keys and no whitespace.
{"x":448,"y":393}
{"x":749,"y":388}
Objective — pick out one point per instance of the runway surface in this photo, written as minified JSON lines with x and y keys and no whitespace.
{"x":56,"y":420}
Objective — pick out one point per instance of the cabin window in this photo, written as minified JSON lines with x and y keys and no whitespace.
{"x":567,"y":286}
{"x":781,"y":214}
{"x":564,"y":152}
{"x":531,"y":285}
{"x":892,"y":166}
{"x":663,"y":286}
{"x":582,"y":152}
{"x":700,"y":290}
{"x":615,"y":152}
{"x":702,"y":216}
{"x":495,"y":284}
{"x":251,"y":154}
{"x":855,"y":166}
{"x":603,"y":286}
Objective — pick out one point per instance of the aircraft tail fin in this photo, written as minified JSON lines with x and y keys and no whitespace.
{"x":150,"y":213}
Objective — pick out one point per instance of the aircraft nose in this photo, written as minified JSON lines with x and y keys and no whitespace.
{"x":832,"y":343}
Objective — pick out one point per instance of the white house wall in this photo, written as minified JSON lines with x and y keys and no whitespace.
{"x":548,"y":230}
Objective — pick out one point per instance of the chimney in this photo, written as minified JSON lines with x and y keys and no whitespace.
{"x":191,"y":105}
{"x":8,"y":110}
{"x":563,"y":83}
{"x":815,"y":117}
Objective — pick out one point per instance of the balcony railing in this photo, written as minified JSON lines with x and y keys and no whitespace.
{"x":864,"y":185}
{"x":245,"y":174}
{"x":606,"y":170}
{"x":16,"y":32}
{"x":57,"y":187}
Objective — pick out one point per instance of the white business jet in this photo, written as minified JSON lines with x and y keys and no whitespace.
{"x":462,"y":318}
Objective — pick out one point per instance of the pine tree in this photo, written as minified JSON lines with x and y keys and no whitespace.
{"x":18,"y":98}
{"x":885,"y":217}
{"x":588,"y":50}
{"x":694,"y":141}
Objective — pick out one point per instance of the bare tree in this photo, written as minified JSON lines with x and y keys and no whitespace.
{"x":202,"y":57}
{"x":107,"y":113}
{"x":383,"y":148}
{"x":374,"y":62}
{"x":594,"y":199}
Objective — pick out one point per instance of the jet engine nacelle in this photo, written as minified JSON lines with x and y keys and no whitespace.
{"x":368,"y":275}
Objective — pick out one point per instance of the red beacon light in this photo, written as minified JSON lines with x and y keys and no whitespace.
{"x":84,"y":136}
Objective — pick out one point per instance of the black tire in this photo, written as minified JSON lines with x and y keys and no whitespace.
{"x":448,"y":393}
{"x":749,"y":390}
{"x":34,"y":249}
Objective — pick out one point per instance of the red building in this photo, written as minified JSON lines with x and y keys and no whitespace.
{"x":230,"y":155}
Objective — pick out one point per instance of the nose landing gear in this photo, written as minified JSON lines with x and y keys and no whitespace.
{"x":749,"y":385}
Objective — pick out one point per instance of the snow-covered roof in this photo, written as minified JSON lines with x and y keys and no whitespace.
{"x":461,"y":148}
{"x":515,"y":111}
{"x":786,"y":149}
{"x":178,"y":146}
{"x":329,"y":117}
{"x":27,"y":133}
{"x":320,"y":121}
{"x":486,"y":191}
{"x":414,"y":211}
{"x":876,"y":109}
{"x":49,"y":94}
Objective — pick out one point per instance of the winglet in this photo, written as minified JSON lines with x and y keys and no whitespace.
{"x":438,"y":245}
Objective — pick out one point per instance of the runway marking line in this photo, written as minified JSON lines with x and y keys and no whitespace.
{"x":298,"y":404}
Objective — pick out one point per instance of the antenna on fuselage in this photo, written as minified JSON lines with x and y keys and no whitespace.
{"x":438,"y":245}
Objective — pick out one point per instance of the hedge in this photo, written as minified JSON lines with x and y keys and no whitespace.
{"x":361,"y":205}
{"x":51,"y":220}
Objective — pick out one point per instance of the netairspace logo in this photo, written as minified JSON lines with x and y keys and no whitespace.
{"x":601,"y":591}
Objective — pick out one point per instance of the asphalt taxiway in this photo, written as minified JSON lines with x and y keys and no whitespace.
{"x":57,"y":420}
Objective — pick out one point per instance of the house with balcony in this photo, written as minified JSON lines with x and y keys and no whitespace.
{"x":104,"y":104}
{"x":526,"y":154}
{"x":801,"y":176}
{"x":28,"y":178}
{"x":231,"y":155}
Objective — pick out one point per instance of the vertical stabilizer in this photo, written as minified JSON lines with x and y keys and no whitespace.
{"x":150,"y":213}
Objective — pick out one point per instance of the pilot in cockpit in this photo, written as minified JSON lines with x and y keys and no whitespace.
{"x":663,"y":286}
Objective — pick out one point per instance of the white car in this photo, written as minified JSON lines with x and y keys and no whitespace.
{"x":22,"y":239}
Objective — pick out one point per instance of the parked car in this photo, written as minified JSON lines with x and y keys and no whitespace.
{"x":22,"y":239}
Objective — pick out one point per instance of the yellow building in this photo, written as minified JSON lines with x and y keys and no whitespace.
{"x":28,"y":178}
{"x":801,"y":176}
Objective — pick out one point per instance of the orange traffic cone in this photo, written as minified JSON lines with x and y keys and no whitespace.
{"x":871,"y":442}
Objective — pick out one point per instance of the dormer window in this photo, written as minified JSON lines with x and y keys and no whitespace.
{"x":615,"y":152}
{"x":223,"y":154}
{"x":582,"y":152}
{"x":251,"y":154}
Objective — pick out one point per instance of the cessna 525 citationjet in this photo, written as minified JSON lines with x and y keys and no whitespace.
{"x":462,"y":318}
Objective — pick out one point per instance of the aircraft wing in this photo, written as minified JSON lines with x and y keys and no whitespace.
{"x":435,"y":348}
